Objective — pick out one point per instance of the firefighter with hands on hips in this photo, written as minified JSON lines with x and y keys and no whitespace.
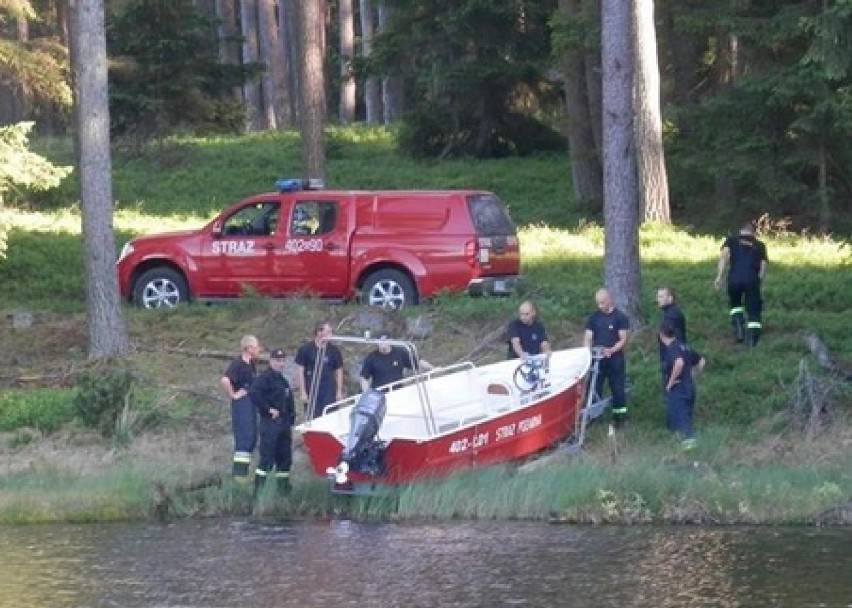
{"x":236,"y":382}
{"x":272,"y":396}
{"x":745,"y":258}
{"x":527,"y":335}
{"x":330,"y":382}
{"x":678,"y":385}
{"x":607,"y":329}
{"x":387,"y":364}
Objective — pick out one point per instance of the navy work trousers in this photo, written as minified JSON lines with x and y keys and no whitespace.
{"x":680,"y":404}
{"x":275,"y":445}
{"x":244,"y":426}
{"x":613,"y":370}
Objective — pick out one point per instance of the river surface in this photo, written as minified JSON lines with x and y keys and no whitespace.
{"x":364,"y":565}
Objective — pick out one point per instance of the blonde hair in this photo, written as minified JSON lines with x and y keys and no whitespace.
{"x":248,"y":341}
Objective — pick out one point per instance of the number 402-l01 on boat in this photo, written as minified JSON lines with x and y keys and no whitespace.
{"x":448,"y":419}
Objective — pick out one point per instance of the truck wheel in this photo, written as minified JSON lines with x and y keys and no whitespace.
{"x":389,"y":289}
{"x":160,"y":288}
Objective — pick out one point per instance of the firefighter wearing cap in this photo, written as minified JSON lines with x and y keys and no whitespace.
{"x":387,"y":364}
{"x":272,"y":396}
{"x":236,"y":382}
{"x":746,"y":257}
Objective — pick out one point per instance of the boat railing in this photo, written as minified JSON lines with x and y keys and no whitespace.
{"x":419,"y":379}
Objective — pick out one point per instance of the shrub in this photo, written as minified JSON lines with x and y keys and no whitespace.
{"x":42,"y":409}
{"x":102,"y":396}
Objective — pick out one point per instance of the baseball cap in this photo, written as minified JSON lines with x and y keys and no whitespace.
{"x":277,"y":353}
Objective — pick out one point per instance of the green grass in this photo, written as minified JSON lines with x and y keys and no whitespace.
{"x":743,"y":395}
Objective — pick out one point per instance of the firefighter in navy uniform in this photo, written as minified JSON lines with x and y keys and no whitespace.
{"x":678,"y":386}
{"x":526,"y":334}
{"x":746,"y":257}
{"x":238,"y":378}
{"x":671,"y":313}
{"x":329,"y":385}
{"x":387,"y":364}
{"x":607,"y":329}
{"x":272,"y":396}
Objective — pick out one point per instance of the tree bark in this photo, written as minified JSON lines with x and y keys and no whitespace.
{"x":372,"y":86}
{"x":621,"y":209}
{"x":288,"y":19}
{"x":228,"y":34}
{"x":106,"y":329}
{"x":392,"y":89}
{"x":255,"y":118}
{"x":312,"y":106}
{"x":347,"y":54}
{"x":648,"y":125}
{"x":586,"y":171}
{"x":594,"y":72}
{"x":276,"y":95}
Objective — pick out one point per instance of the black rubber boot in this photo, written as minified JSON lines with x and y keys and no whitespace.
{"x":739,"y":328}
{"x":753,"y":336}
{"x":259,"y":480}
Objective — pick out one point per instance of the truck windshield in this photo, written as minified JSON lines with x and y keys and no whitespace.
{"x":489,"y":216}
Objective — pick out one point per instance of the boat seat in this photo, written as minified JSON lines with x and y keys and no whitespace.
{"x":499,"y":397}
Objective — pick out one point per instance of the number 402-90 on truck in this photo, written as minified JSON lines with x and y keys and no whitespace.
{"x":390,"y":248}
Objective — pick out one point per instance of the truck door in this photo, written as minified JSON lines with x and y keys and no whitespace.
{"x":315,"y":255}
{"x":239,"y":254}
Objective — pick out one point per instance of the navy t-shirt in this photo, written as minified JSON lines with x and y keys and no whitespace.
{"x":605,"y":327}
{"x":241,"y":374}
{"x":674,"y":351}
{"x":306,"y":356}
{"x":384,"y":368}
{"x":746,"y":255}
{"x":531,"y":337}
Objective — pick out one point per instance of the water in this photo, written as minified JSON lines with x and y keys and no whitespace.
{"x":340,"y":563}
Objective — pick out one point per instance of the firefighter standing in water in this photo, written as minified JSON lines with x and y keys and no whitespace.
{"x":272,"y":396}
{"x":746,"y":257}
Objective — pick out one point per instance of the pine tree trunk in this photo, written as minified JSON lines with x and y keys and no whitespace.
{"x":621,"y":209}
{"x":392,"y":91}
{"x":648,"y":125}
{"x":255,"y":118}
{"x":347,"y":54}
{"x":372,"y":86}
{"x":106,"y":329}
{"x":228,"y":34}
{"x":288,"y":23}
{"x":276,"y":102}
{"x":592,"y":14}
{"x":312,"y":88}
{"x":586,"y":172}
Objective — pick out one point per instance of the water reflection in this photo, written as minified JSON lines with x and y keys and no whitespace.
{"x":340,"y":563}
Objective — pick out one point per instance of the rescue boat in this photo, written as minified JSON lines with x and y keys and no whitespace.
{"x":448,"y":419}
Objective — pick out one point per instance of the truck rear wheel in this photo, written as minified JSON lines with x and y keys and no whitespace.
{"x":160,"y":288}
{"x":389,"y":288}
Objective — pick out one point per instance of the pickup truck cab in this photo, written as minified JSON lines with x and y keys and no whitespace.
{"x":391,"y":248}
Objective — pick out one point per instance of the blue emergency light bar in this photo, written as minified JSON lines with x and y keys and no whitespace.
{"x":296,"y":184}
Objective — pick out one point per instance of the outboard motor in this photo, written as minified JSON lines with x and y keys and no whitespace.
{"x":363,"y":452}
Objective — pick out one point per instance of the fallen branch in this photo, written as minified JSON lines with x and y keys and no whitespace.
{"x":201,"y":353}
{"x":824,"y":357}
{"x":163,"y":498}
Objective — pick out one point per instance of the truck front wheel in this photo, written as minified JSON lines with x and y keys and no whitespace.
{"x":389,"y":288}
{"x":160,"y":288}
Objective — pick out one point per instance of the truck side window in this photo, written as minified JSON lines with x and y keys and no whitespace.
{"x":313,"y":218}
{"x":258,"y":219}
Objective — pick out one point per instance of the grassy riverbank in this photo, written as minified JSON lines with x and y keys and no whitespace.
{"x":761,"y":457}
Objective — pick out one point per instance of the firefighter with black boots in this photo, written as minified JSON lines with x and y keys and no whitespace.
{"x":745,"y":258}
{"x":236,"y":382}
{"x":607,"y":329}
{"x":272,"y":396}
